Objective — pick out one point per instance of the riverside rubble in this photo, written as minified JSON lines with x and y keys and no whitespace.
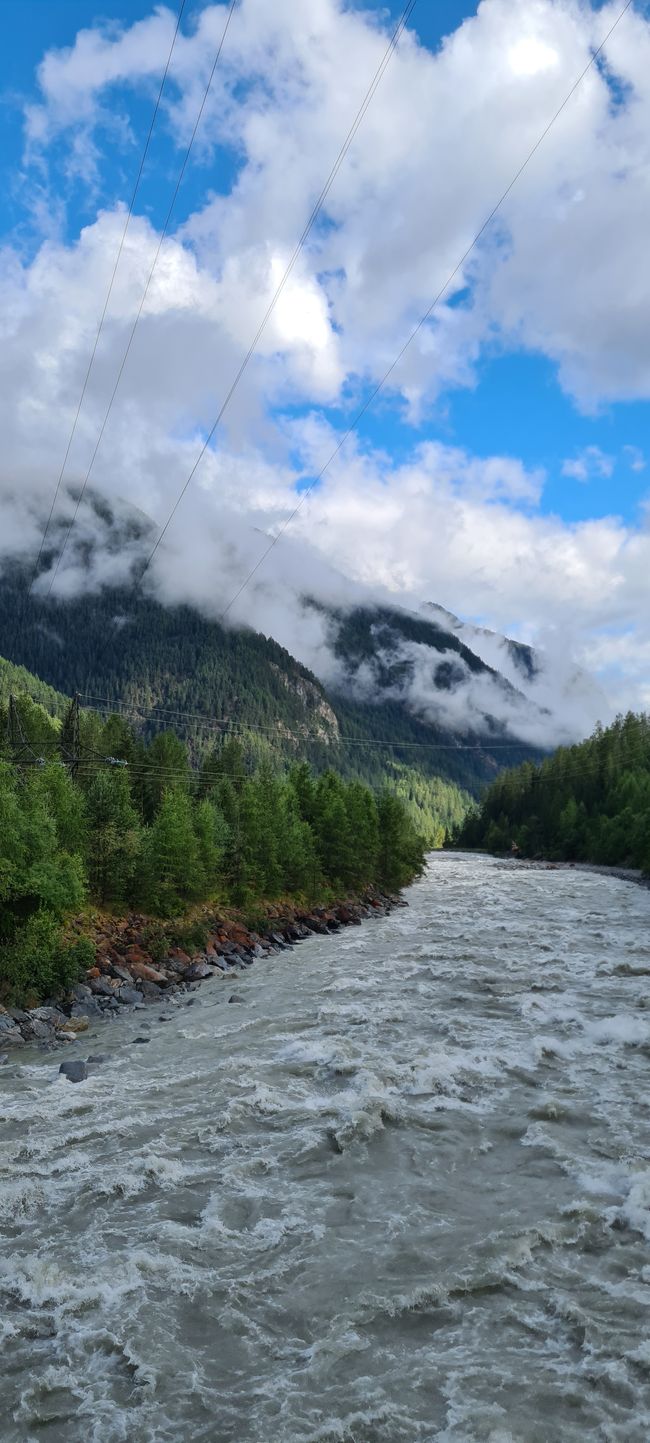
{"x":126,"y":977}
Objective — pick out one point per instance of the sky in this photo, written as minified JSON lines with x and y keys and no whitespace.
{"x":503,"y":472}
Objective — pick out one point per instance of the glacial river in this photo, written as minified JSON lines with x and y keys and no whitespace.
{"x":400,"y":1193}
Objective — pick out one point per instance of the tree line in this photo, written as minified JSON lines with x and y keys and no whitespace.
{"x":108,"y":818}
{"x":589,"y":802}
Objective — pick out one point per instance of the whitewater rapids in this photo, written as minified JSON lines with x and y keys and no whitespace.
{"x":400,"y":1193}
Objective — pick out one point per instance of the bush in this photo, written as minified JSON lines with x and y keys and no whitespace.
{"x":41,"y":963}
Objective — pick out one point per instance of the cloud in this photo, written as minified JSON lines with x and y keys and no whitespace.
{"x":591,"y":461}
{"x":562,"y":272}
{"x":635,"y":458}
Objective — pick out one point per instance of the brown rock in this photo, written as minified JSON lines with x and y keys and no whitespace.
{"x":147,"y":973}
{"x":137,"y":955}
{"x":93,"y":972}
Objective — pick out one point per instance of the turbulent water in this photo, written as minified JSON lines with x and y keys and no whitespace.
{"x":400,"y":1192}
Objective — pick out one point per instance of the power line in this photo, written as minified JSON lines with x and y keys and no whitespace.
{"x":110,"y":287}
{"x":401,"y":25}
{"x":144,"y":293}
{"x":143,"y":769}
{"x":221,"y":724}
{"x":423,"y":319}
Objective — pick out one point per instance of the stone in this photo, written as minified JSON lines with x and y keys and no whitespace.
{"x":76,"y":1071}
{"x":101,"y":986}
{"x":42,"y":1031}
{"x":95,"y":1058}
{"x":90,"y":1008}
{"x":150,"y":991}
{"x":49,"y":1014}
{"x":129,"y":996}
{"x":198,"y":971}
{"x":123,"y":973}
{"x":9,"y":1032}
{"x":145,"y":973}
{"x":74,"y":1024}
{"x":234,"y":997}
{"x":141,"y":1040}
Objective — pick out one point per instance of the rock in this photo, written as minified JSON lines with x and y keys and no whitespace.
{"x":198,"y":971}
{"x":9,"y":1032}
{"x":234,"y":997}
{"x":129,"y":996}
{"x":89,"y":1008}
{"x":145,"y":973}
{"x":42,"y":1031}
{"x":76,"y":1071}
{"x":101,"y":987}
{"x":122,"y":972}
{"x":74,"y":1024}
{"x":4,"y":1057}
{"x":53,"y":1015}
{"x":81,"y":993}
{"x":93,"y":973}
{"x":141,"y":1040}
{"x":96,"y":1058}
{"x":150,"y":991}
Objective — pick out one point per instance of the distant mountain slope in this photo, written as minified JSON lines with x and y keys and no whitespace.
{"x":17,"y":681}
{"x":118,"y":648}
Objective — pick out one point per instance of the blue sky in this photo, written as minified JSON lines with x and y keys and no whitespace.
{"x":517,"y":427}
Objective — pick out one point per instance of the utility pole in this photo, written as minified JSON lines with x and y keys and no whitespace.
{"x":71,"y":736}
{"x":16,"y":740}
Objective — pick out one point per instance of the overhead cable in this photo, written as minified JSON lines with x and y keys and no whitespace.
{"x":403,"y":21}
{"x":422,"y":321}
{"x":110,"y":286}
{"x":145,"y":292}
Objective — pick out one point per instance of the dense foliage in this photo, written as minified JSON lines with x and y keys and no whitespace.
{"x":136,"y":825}
{"x":586,"y":803}
{"x":125,"y":651}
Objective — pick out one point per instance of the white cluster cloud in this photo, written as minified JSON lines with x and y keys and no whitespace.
{"x":591,"y":461}
{"x":562,"y":272}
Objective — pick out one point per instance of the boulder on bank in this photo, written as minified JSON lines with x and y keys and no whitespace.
{"x":145,"y":973}
{"x":198,"y":971}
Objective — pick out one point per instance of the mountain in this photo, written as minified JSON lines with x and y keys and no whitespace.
{"x":173,"y":667}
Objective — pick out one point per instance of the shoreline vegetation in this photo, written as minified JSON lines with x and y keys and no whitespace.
{"x":587,"y":804}
{"x":123,"y":829}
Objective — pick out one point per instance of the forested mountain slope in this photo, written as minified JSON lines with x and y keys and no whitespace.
{"x":167,"y":666}
{"x":586,"y":803}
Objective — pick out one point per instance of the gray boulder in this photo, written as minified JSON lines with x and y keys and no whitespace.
{"x":76,"y":1071}
{"x":129,"y":996}
{"x":198,"y":971}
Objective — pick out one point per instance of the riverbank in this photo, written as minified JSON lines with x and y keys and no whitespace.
{"x":134,"y":969}
{"x":624,"y":874}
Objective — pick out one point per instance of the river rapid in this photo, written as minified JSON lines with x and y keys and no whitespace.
{"x":401,"y":1191}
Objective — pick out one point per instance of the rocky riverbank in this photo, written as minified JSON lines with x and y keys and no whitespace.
{"x":129,"y":974}
{"x":624,"y":874}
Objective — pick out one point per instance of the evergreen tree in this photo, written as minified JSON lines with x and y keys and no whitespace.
{"x":114,"y":836}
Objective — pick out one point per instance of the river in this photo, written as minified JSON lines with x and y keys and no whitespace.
{"x":400,"y":1193}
